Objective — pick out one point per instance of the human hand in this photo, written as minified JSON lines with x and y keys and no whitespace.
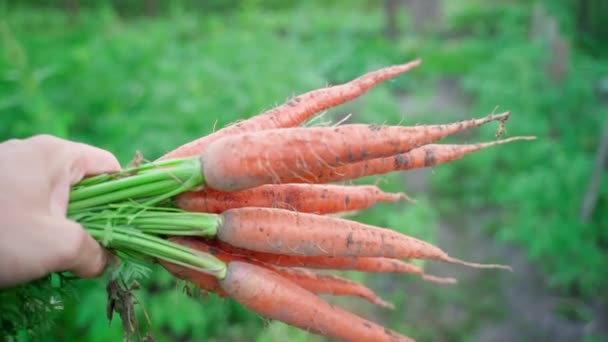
{"x":36,"y":238}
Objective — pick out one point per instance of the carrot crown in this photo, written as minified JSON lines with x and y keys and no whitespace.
{"x":122,"y":212}
{"x":148,"y":184}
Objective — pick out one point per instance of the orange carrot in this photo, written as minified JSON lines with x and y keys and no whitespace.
{"x":315,"y":283}
{"x":271,"y":295}
{"x":425,"y":156}
{"x":286,"y":232}
{"x":296,"y":110}
{"x":361,"y":264}
{"x":330,"y":284}
{"x":251,"y":159}
{"x":202,"y":280}
{"x":307,"y":198}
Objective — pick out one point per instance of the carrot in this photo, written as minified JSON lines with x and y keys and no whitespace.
{"x":308,"y":198}
{"x":315,"y":283}
{"x":424,"y":156}
{"x":251,"y":159}
{"x":285,"y":232}
{"x":202,"y":280}
{"x":330,"y":284}
{"x":296,"y":110}
{"x":362,"y":264}
{"x":271,"y":295}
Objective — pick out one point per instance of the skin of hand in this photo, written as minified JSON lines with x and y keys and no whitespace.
{"x":36,"y":238}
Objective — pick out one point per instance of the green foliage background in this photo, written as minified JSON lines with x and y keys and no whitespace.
{"x":116,"y":78}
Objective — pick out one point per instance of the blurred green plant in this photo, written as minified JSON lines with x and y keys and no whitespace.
{"x":128,"y":82}
{"x":540,"y":186}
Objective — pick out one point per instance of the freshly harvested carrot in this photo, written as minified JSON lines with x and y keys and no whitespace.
{"x":271,"y":295}
{"x":331,"y":284}
{"x":307,"y":198}
{"x":297,"y":110}
{"x":201,"y":280}
{"x":247,"y":160}
{"x":315,"y":283}
{"x":286,"y":232}
{"x":424,"y":156}
{"x":361,"y":264}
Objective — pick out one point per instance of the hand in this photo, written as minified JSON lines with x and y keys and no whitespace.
{"x":36,"y":238}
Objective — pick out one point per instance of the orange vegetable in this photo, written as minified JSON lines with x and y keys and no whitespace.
{"x":271,"y":295}
{"x":201,"y":280}
{"x":315,"y":283}
{"x":307,"y":198}
{"x":330,"y":284}
{"x":286,"y":232}
{"x":362,"y":264}
{"x":247,"y":160}
{"x":424,"y":156}
{"x":296,"y":110}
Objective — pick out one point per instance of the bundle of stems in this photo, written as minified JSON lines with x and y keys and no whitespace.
{"x":128,"y":212}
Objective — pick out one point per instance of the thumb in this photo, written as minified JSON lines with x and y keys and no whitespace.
{"x":81,"y":160}
{"x":89,"y":160}
{"x":77,"y":251}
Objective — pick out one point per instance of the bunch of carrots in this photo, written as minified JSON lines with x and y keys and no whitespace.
{"x":243,"y":212}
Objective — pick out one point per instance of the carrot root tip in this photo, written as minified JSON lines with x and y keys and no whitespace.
{"x":477,"y":265}
{"x":384,"y":304}
{"x":439,"y":280}
{"x":404,"y":196}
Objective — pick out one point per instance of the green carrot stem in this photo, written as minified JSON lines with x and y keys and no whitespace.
{"x":130,"y":171}
{"x":124,"y":194}
{"x":154,"y":220}
{"x":182,"y":171}
{"x":151,"y":193}
{"x":173,"y":232}
{"x":126,"y":238}
{"x":195,"y":180}
{"x":122,"y":183}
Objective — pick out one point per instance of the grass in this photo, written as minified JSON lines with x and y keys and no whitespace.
{"x":137,"y":83}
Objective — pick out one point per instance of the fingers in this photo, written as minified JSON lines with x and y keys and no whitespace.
{"x":78,"y":251}
{"x":65,"y":163}
{"x":33,"y":246}
{"x":89,"y":160}
{"x":36,"y":236}
{"x":80,"y":159}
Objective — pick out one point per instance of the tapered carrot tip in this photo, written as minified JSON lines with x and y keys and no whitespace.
{"x":476,"y":265}
{"x":393,"y":196}
{"x":439,"y":280}
{"x":405,"y":197}
{"x":416,"y":62}
{"x":384,"y":304}
{"x":508,"y":140}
